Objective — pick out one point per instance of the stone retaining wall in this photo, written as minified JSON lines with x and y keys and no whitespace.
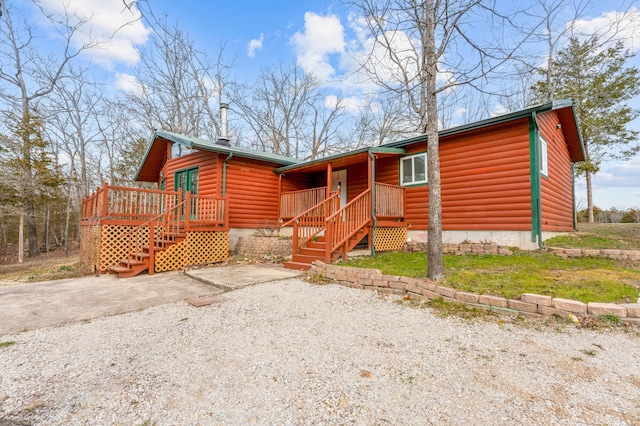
{"x":529,"y":304}
{"x":612,"y":254}
{"x":259,"y":246}
{"x":460,"y":249}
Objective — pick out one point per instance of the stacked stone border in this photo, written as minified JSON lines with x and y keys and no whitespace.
{"x":461,"y":249}
{"x":610,"y":253}
{"x":528,"y":305}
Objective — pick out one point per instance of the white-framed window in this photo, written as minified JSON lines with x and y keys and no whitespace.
{"x":413,"y":169}
{"x":544,"y":157}
{"x":178,"y":150}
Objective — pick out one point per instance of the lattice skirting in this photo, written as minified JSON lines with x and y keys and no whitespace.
{"x":114,"y":245}
{"x":103,"y":246}
{"x":388,"y":238}
{"x":90,"y":247}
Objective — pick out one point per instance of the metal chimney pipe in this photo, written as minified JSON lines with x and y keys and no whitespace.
{"x":224,"y":108}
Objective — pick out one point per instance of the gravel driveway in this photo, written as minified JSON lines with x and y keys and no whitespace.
{"x":290,"y":352}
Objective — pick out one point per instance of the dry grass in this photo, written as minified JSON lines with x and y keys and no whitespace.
{"x":48,"y":266}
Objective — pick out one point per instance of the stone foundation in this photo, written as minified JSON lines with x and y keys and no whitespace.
{"x":529,"y":304}
{"x":260,"y":246}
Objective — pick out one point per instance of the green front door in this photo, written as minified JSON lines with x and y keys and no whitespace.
{"x":187,"y":180}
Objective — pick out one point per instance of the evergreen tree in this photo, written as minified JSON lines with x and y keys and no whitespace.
{"x":601,"y":83}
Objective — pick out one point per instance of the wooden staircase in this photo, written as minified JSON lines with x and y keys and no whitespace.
{"x":140,"y":258}
{"x":317,"y":249}
{"x":326,"y":233}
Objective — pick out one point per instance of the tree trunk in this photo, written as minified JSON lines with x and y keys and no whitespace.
{"x":21,"y":237}
{"x":435,"y":263}
{"x":66,"y":223}
{"x":4,"y":238}
{"x":32,"y":228}
{"x":587,"y":176}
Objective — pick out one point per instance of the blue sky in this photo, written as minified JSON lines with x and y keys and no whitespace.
{"x":318,"y":35}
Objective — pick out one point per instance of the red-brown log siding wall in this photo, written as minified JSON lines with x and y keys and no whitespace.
{"x":557,"y":188}
{"x":485,"y":180}
{"x":207,"y":163}
{"x":252,"y":193}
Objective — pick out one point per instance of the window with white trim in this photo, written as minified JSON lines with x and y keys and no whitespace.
{"x":544,"y":157}
{"x":413,"y":169}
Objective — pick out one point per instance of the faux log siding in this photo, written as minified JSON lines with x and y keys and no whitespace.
{"x":485,"y":179}
{"x":207,"y":162}
{"x":297,"y":182}
{"x":252,"y":191}
{"x":387,"y":171}
{"x":557,"y":188}
{"x":357,"y":180}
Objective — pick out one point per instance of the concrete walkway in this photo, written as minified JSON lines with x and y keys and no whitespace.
{"x":36,"y":305}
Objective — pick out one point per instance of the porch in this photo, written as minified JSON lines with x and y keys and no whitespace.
{"x":131,"y":230}
{"x":327,"y":229}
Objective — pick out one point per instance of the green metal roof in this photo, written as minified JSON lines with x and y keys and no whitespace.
{"x":567,"y":115}
{"x":373,"y":150}
{"x":207,"y":145}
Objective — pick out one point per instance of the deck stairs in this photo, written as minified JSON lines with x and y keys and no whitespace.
{"x":316,"y":250}
{"x":328,"y":233}
{"x":141,"y":257}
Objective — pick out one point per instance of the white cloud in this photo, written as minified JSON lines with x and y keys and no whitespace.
{"x":351,"y":104}
{"x":128,"y":83}
{"x":617,"y":184}
{"x":255,"y":44}
{"x":619,"y":25}
{"x":116,"y":27}
{"x":322,"y":36}
{"x":500,"y":110}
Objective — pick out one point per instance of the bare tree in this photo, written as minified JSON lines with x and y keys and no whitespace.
{"x":178,"y":87}
{"x":288,"y":113}
{"x":422,"y":49}
{"x":28,"y":77}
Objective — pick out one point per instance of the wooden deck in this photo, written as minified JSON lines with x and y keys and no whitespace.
{"x":132,"y":230}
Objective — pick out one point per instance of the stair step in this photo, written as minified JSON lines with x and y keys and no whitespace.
{"x":306,"y":251}
{"x":297,"y":266}
{"x":131,"y":262}
{"x":301,"y":258}
{"x":124,"y":272}
{"x":316,"y":244}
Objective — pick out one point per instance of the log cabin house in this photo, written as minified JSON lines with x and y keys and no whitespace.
{"x":508,"y":179}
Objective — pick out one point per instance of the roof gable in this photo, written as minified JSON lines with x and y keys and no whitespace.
{"x":155,"y":156}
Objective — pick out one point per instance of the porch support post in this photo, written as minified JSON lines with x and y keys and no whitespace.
{"x":329,"y":183}
{"x":105,"y":200}
{"x":279,"y":198}
{"x":372,"y":183}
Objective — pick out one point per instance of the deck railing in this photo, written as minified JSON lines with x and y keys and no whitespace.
{"x":312,"y":222}
{"x":125,"y":205}
{"x":347,"y":221}
{"x":295,"y":202}
{"x":162,"y":230}
{"x":389,"y":200}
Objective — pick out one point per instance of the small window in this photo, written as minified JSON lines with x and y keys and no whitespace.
{"x":413,"y":169}
{"x":544,"y":157}
{"x":179,"y":150}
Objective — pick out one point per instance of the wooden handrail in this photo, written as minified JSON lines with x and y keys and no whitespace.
{"x":313,"y":221}
{"x":347,"y":221}
{"x":292,"y":202}
{"x":389,"y":200}
{"x":290,"y":221}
